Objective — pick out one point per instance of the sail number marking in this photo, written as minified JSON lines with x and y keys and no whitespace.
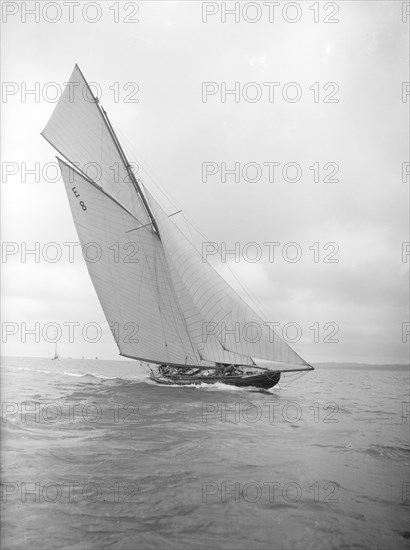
{"x":77,"y":194}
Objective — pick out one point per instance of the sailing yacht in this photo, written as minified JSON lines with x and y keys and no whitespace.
{"x":187,"y":321}
{"x":55,"y":356}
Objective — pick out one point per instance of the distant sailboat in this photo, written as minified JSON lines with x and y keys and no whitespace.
{"x":56,"y":355}
{"x":173,"y":297}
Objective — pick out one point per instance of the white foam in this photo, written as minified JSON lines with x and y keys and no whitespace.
{"x":96,"y":375}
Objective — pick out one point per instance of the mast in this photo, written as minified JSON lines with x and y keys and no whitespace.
{"x":122,"y":155}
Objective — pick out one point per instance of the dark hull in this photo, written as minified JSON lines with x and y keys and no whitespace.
{"x":264,"y":380}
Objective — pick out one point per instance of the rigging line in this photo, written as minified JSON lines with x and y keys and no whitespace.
{"x":294,"y":377}
{"x":147,"y":168}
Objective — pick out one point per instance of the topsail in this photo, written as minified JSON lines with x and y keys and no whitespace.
{"x":163,"y":302}
{"x":79,"y":131}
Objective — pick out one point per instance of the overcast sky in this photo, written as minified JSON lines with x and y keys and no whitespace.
{"x":163,"y":60}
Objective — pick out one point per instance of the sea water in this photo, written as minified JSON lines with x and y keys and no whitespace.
{"x":95,"y":455}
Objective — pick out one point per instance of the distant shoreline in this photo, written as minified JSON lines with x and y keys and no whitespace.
{"x":334,"y":365}
{"x":364,"y":366}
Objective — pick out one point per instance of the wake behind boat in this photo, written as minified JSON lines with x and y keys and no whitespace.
{"x":165,"y":304}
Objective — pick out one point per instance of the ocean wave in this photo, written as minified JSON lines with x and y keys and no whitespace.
{"x":99,"y":376}
{"x":389,"y":452}
{"x":102,"y":377}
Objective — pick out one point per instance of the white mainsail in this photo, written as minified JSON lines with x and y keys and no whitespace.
{"x":164,"y":303}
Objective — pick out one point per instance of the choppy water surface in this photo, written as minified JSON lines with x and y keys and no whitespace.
{"x":97,"y":456}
